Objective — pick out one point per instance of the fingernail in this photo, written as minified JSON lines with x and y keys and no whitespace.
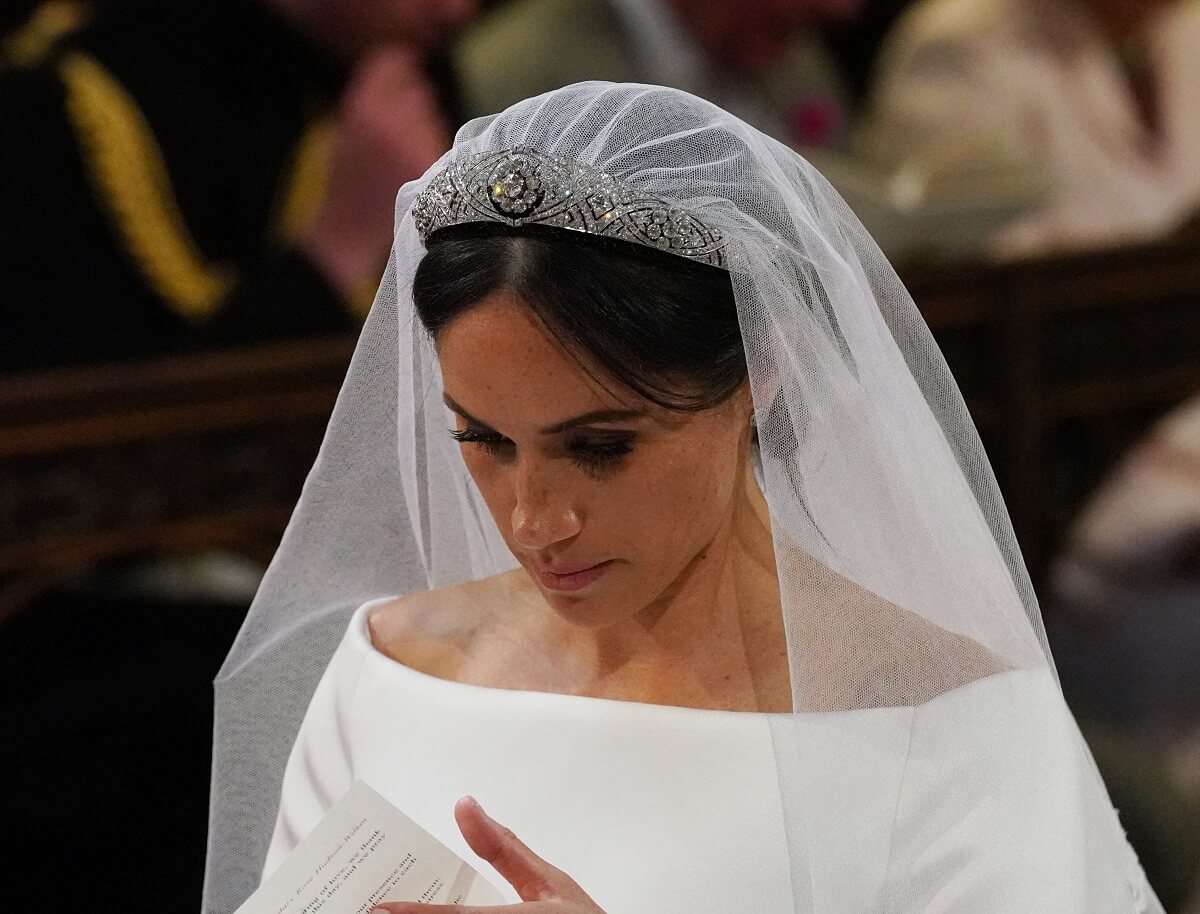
{"x":380,"y":911}
{"x":479,"y":806}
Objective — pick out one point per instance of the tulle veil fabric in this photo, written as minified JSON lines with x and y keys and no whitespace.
{"x":900,"y":578}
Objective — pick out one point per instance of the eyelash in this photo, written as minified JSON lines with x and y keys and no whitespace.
{"x":589,"y":456}
{"x":491,"y":443}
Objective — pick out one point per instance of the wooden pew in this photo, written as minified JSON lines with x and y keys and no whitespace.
{"x":206,"y":450}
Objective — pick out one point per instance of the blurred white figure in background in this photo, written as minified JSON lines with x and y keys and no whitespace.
{"x":1088,"y":108}
{"x":1141,"y":530}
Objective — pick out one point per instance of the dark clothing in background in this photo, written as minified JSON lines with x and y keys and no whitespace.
{"x":106,"y":709}
{"x":225,"y":92}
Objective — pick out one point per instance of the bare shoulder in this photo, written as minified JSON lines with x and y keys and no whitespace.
{"x":917,"y":660}
{"x":436,"y":631}
{"x":869,"y":652}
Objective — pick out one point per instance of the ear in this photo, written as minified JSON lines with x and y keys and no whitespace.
{"x":765,"y":389}
{"x":754,"y":402}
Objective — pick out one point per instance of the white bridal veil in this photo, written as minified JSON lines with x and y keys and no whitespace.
{"x":903,"y":590}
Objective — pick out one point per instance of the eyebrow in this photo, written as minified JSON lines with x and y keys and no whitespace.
{"x":590,"y":418}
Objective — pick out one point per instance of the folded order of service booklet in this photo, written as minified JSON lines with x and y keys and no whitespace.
{"x":363,"y":852}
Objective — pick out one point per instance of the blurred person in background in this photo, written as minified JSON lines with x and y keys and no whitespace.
{"x":1141,"y":531}
{"x":175,"y":175}
{"x":1127,"y":631}
{"x":760,"y":59}
{"x":207,"y":173}
{"x":1087,"y":109}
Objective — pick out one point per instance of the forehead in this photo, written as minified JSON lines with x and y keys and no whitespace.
{"x":497,"y":358}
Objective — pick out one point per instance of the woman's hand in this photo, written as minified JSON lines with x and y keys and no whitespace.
{"x":544,"y":889}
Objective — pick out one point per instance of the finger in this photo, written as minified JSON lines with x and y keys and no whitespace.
{"x":532,"y":877}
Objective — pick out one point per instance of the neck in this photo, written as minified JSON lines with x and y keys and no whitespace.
{"x":718,"y":630}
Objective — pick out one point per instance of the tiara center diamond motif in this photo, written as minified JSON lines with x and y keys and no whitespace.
{"x":514,"y":187}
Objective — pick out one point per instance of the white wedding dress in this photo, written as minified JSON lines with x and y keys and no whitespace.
{"x":657,"y":809}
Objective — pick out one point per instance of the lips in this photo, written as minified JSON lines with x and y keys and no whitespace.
{"x":571,"y":578}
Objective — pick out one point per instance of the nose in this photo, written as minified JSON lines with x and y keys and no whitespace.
{"x":542,"y":514}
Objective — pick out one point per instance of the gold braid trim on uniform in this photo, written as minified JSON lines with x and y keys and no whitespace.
{"x":363,"y":298}
{"x":48,"y":24}
{"x":306,"y":185}
{"x":131,"y":177}
{"x":307,"y":179}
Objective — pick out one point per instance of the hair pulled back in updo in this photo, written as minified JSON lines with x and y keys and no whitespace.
{"x":663,"y":326}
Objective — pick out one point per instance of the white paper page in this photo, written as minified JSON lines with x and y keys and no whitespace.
{"x":363,"y":852}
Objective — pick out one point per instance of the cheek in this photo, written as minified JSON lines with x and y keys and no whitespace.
{"x":681,"y":503}
{"x":665,"y":502}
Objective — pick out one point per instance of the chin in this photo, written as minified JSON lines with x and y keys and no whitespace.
{"x":576,"y":609}
{"x":591,"y":609}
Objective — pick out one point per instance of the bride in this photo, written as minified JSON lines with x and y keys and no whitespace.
{"x":650,"y":516}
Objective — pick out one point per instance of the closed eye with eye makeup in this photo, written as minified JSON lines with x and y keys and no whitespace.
{"x":592,"y":450}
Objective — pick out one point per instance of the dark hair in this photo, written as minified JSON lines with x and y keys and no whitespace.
{"x":663,"y":326}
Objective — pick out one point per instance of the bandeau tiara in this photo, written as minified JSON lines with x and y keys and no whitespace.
{"x":521,"y":186}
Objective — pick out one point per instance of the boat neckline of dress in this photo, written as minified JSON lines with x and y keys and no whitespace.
{"x":362,"y":634}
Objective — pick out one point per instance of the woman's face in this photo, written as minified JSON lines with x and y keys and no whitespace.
{"x":606,"y":500}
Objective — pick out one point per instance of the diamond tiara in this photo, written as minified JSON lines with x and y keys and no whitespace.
{"x":522,"y":186}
